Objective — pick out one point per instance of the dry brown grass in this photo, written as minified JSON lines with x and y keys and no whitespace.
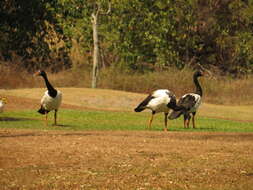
{"x":219,"y":90}
{"x":76,"y":160}
{"x":101,"y":99}
{"x":125,"y":160}
{"x":15,"y":77}
{"x":113,"y":100}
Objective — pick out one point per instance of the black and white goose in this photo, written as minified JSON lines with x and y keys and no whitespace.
{"x":3,"y":101}
{"x":51,"y":99}
{"x":159,"y":101}
{"x":190,"y":102}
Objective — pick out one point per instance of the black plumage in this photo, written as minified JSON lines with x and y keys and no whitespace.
{"x":159,"y":101}
{"x":143,"y":104}
{"x":51,"y":99}
{"x":189,"y":103}
{"x":42,"y":110}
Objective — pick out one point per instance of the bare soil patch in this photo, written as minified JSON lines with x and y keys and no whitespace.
{"x":31,"y":159}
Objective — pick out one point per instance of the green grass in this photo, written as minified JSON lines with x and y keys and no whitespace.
{"x":107,"y":120}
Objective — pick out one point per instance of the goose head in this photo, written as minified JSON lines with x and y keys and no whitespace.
{"x":40,"y":73}
{"x":198,"y":73}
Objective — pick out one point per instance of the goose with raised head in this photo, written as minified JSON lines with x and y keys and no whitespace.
{"x":161,"y":100}
{"x":51,"y":99}
{"x":190,"y":102}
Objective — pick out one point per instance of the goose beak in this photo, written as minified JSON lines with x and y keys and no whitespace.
{"x":206,"y":73}
{"x":36,"y":74}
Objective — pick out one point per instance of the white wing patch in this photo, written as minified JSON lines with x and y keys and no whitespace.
{"x":160,"y":101}
{"x":161,"y":92}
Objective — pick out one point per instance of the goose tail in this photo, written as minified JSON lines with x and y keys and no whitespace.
{"x":143,"y":104}
{"x":139,"y":109}
{"x":175,"y":114}
{"x":42,"y":110}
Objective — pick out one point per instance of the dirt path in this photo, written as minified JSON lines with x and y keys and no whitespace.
{"x":31,"y":159}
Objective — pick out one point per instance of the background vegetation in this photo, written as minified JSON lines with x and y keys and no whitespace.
{"x":144,"y":44}
{"x":136,"y":35}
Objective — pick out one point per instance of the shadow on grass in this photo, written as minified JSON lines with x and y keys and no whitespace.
{"x":204,"y":129}
{"x":61,"y":125}
{"x":14,"y":119}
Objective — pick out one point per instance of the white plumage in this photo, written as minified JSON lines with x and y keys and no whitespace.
{"x":197,"y":100}
{"x":3,"y":101}
{"x":1,"y":106}
{"x":51,"y":99}
{"x":159,"y":101}
{"x":49,"y":103}
{"x":189,"y":103}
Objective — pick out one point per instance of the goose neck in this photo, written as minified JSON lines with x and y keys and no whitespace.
{"x":50,"y":88}
{"x":197,"y":85}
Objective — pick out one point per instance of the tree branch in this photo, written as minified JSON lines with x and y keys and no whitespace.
{"x":108,"y":10}
{"x":98,"y":9}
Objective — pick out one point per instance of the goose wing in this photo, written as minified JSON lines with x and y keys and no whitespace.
{"x":160,"y":101}
{"x":144,"y":103}
{"x":187,"y":102}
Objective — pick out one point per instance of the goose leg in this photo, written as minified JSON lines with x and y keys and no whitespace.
{"x":193,"y":120}
{"x":46,"y":119}
{"x":185,"y":121}
{"x":55,"y":117}
{"x":150,"y":121}
{"x":166,"y":121}
{"x":188,"y":122}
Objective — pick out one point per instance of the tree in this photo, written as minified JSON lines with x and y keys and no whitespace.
{"x":94,"y":19}
{"x":138,"y":35}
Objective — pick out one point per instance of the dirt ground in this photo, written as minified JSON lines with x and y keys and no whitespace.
{"x":35,"y":159}
{"x":32,"y":159}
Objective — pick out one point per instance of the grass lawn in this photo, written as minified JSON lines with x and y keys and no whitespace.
{"x":100,"y":143}
{"x":110,"y":120}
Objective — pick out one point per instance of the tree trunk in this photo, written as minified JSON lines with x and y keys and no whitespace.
{"x":96,"y":51}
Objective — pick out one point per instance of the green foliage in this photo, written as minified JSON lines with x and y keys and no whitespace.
{"x":136,"y":34}
{"x":28,"y":31}
{"x":148,"y":31}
